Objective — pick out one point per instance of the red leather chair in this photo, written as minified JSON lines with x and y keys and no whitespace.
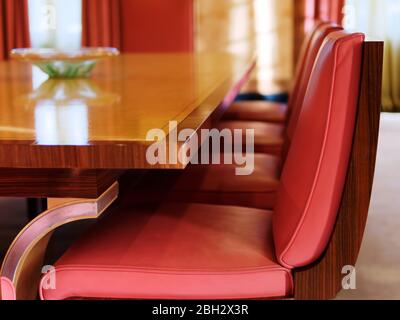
{"x":270,"y":137}
{"x":7,"y":289}
{"x":196,"y":251}
{"x":269,"y":111}
{"x":219,"y":184}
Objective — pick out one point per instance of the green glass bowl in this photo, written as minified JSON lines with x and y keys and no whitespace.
{"x":67,"y":69}
{"x":64,"y":63}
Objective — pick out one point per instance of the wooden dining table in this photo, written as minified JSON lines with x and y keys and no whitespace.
{"x":69,"y":140}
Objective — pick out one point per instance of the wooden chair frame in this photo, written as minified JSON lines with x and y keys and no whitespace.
{"x":23,"y":262}
{"x":323,"y":279}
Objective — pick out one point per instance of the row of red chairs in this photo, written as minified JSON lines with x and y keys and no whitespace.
{"x":237,"y":237}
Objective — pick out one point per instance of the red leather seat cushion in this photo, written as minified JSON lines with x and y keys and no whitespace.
{"x":176,"y":251}
{"x":257,"y":111}
{"x":7,"y":289}
{"x":219,"y":184}
{"x":268,"y":137}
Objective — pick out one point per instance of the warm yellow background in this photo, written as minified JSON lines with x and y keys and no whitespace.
{"x":264,"y":27}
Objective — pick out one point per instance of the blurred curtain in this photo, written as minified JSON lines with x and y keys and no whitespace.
{"x":14,"y":26}
{"x":101,"y":23}
{"x":307,"y":12}
{"x":261,"y":27}
{"x":379,"y":19}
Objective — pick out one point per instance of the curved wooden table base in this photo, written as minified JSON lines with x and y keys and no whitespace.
{"x":24,"y":260}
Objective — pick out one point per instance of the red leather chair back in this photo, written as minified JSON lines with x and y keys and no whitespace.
{"x":316,"y":41}
{"x":316,"y":167}
{"x":303,"y":56}
{"x":157,"y":25}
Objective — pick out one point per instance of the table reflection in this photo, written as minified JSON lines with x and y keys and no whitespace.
{"x":125,"y":98}
{"x":61,"y":110}
{"x":65,"y":124}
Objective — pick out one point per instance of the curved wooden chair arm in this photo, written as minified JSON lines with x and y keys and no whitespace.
{"x":23,"y":262}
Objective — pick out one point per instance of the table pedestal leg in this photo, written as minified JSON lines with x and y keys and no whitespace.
{"x":24,"y":260}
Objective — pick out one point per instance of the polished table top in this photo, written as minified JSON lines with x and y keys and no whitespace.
{"x":72,"y":139}
{"x":103,"y":121}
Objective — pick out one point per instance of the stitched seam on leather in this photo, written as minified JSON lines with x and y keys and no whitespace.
{"x":316,"y":179}
{"x":288,"y":276}
{"x":289,"y":289}
{"x":171,"y":271}
{"x":300,"y":224}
